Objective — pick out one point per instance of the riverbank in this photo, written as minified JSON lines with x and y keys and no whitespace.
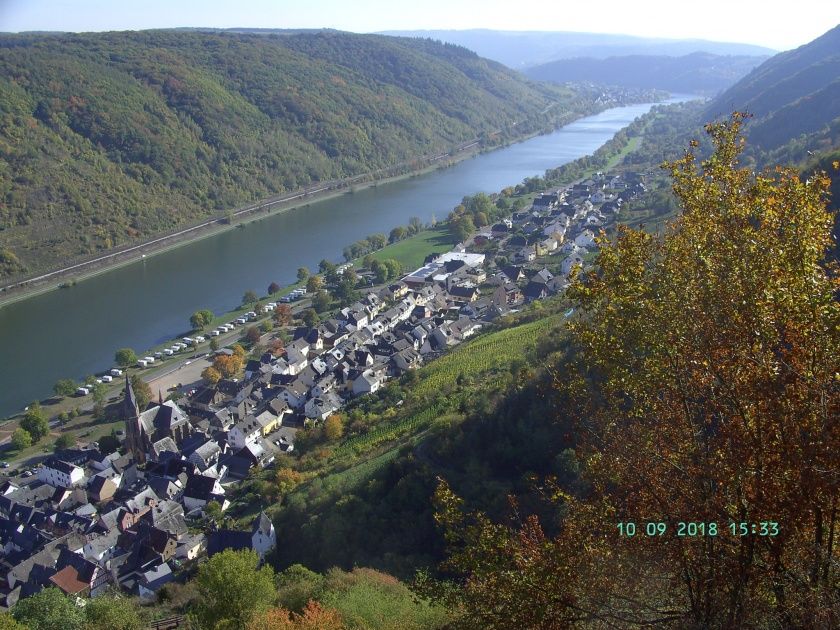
{"x":65,"y":278}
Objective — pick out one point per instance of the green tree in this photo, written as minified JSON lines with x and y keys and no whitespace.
{"x":201,"y":319}
{"x":35,"y":422}
{"x":250,"y":296}
{"x":377,"y":241}
{"x":232,"y":588}
{"x":397,"y":234}
{"x":302,"y":274}
{"x":21,"y":439}
{"x":415,"y":225}
{"x":112,"y":612}
{"x":297,"y":585}
{"x":213,"y":511}
{"x":309,"y":317}
{"x":462,"y":228}
{"x":214,"y":344}
{"x":322,"y":301}
{"x":125,"y":357}
{"x":64,"y":441}
{"x":394,"y":267}
{"x":325,"y":266}
{"x":380,"y":271}
{"x":7,"y":622}
{"x":64,"y":387}
{"x":49,"y":610}
{"x":109,"y":443}
{"x":367,"y":261}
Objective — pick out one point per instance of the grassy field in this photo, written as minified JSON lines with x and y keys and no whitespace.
{"x":411,"y":252}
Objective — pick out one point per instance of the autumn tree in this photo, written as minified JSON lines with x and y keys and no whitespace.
{"x":704,"y":388}
{"x":226,"y":365}
{"x":314,"y":284}
{"x":211,"y":375}
{"x":233,"y":588}
{"x":273,"y":288}
{"x":252,"y":334}
{"x":276,"y":346}
{"x":334,"y":427}
{"x":313,"y":617}
{"x":142,"y":391}
{"x":283,"y":315}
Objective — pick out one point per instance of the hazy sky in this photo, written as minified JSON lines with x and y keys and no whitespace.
{"x":774,"y":23}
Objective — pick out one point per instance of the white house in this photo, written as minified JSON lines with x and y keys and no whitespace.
{"x":246,"y":431}
{"x":60,"y":474}
{"x":585,"y":239}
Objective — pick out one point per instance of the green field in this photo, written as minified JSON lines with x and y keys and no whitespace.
{"x":411,"y":252}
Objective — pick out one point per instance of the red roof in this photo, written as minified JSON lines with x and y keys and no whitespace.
{"x":68,"y":581}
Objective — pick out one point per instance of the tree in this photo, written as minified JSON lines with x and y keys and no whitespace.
{"x":397,"y":234}
{"x":314,"y":284}
{"x":238,"y":351}
{"x":211,"y":375}
{"x":286,"y":480}
{"x":64,"y":441}
{"x":109,"y":443}
{"x":21,"y":439}
{"x":297,"y":586}
{"x":201,"y":319}
{"x":233,"y":588}
{"x":367,"y":261}
{"x":273,"y":288}
{"x":321,"y":302}
{"x":276,"y":346}
{"x":214,"y":344}
{"x":7,"y":622}
{"x":302,"y":274}
{"x":226,"y":366}
{"x":64,"y":387}
{"x":249,"y":297}
{"x":213,"y":511}
{"x":325,"y":266}
{"x":252,"y":334}
{"x":334,"y":427}
{"x":112,"y":612}
{"x":310,"y":317}
{"x":313,"y":617}
{"x":380,"y":271}
{"x":394,"y":267}
{"x":415,"y":225}
{"x":49,"y":610}
{"x":266,"y":326}
{"x":377,"y":241}
{"x":704,"y":390}
{"x":462,"y":228}
{"x":283,"y":315}
{"x":142,"y":391}
{"x":125,"y":357}
{"x":35,"y":422}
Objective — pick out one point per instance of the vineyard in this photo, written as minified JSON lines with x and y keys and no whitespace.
{"x":488,"y":352}
{"x":492,"y":351}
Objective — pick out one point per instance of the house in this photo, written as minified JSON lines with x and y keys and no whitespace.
{"x":526,"y":254}
{"x":535,"y":291}
{"x":152,"y":580}
{"x":244,"y":432}
{"x":573,"y":260}
{"x":585,"y":239}
{"x":201,"y":490}
{"x":262,"y":538}
{"x":406,"y":359}
{"x":368,"y":381}
{"x":101,"y":488}
{"x":190,"y":547}
{"x":294,"y":394}
{"x":206,"y":455}
{"x":321,"y":408}
{"x":464,"y":294}
{"x":59,"y":474}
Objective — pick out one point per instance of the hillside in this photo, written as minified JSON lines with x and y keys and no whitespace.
{"x":794,"y":93}
{"x":109,"y":138}
{"x":521,"y":49}
{"x":697,"y":73}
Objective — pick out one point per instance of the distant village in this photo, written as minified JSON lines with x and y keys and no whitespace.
{"x":87,"y":522}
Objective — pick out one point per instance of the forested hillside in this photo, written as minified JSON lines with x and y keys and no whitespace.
{"x":108,"y":138}
{"x":697,"y":73}
{"x":794,"y":94}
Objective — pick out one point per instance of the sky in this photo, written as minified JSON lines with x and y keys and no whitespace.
{"x":777,"y":24}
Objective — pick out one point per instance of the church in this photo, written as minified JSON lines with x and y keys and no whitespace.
{"x":159,"y":428}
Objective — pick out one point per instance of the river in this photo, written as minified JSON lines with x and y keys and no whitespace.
{"x":74,"y":332}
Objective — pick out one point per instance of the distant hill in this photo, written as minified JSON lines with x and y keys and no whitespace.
{"x":697,"y":73}
{"x":520,"y":49}
{"x":108,"y":138}
{"x":793,"y":94}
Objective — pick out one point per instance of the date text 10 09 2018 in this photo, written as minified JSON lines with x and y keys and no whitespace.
{"x":692,"y":529}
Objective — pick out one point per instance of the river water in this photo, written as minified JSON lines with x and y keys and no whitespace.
{"x":74,"y":332}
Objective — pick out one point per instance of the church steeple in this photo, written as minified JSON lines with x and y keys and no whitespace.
{"x":134,"y":442}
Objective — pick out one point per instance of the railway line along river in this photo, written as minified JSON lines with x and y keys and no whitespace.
{"x":72,"y":333}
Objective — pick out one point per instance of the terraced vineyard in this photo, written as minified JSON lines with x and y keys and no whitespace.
{"x":495,"y":350}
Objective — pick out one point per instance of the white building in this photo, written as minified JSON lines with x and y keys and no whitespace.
{"x":59,"y":474}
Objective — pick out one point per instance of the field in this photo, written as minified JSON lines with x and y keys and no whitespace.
{"x":411,"y":252}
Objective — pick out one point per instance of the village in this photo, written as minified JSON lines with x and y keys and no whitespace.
{"x":86,"y":522}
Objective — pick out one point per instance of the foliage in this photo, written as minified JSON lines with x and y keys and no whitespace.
{"x":64,"y":387}
{"x":297,"y":586}
{"x":63,"y":441}
{"x":21,"y":439}
{"x":7,"y":622}
{"x":35,"y":422}
{"x":252,"y":334}
{"x":232,"y":589}
{"x":302,"y":274}
{"x":250,"y":297}
{"x":321,"y":302}
{"x":312,"y":617}
{"x":109,"y":443}
{"x":142,"y":391}
{"x":211,"y":375}
{"x":704,"y":389}
{"x":108,"y":612}
{"x":283,"y":315}
{"x":334,"y":427}
{"x":273,"y":288}
{"x":49,"y":610}
{"x":125,"y":357}
{"x":201,"y":319}
{"x":314,"y":284}
{"x":309,"y":317}
{"x":226,"y":365}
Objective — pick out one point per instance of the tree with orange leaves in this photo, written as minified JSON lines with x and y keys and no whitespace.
{"x":313,"y":617}
{"x":706,"y":390}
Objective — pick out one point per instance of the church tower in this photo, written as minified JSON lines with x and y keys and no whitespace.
{"x":134,"y":438}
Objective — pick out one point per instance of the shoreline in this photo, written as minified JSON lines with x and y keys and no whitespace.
{"x":61,"y":279}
